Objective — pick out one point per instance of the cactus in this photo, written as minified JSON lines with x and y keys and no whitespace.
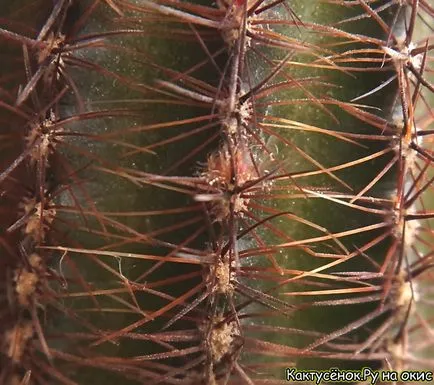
{"x":210,"y":193}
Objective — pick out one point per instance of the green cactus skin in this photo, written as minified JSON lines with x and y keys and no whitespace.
{"x":197,"y":193}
